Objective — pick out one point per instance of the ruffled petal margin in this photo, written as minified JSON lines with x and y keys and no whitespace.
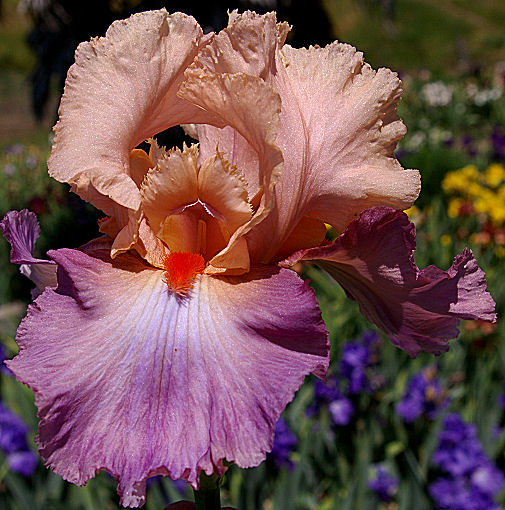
{"x":129,"y":378}
{"x":21,"y":229}
{"x":373,"y":260}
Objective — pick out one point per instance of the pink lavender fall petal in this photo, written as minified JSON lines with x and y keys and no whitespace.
{"x":132,"y":379}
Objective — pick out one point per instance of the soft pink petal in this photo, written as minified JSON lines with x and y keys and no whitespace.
{"x":132,"y":379}
{"x":21,"y":229}
{"x":222,"y":188}
{"x":337,"y":131}
{"x":373,"y":260}
{"x":120,"y":91}
{"x":246,"y":104}
{"x":252,"y":53}
{"x":251,"y":108}
{"x":170,"y":186}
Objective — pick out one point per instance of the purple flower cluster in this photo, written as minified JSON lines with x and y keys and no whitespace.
{"x":424,"y":396}
{"x":383,"y":484}
{"x":284,"y":444}
{"x":356,"y":359}
{"x":13,"y":443}
{"x":498,"y":142}
{"x":471,"y":479}
{"x":355,"y":375}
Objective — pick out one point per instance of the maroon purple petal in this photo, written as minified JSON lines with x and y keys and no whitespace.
{"x":130,"y":378}
{"x":373,"y":260}
{"x":22,"y":230}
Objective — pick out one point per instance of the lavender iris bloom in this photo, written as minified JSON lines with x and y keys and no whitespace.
{"x":384,"y":484}
{"x":357,"y":357}
{"x":14,"y":445}
{"x":471,"y":480}
{"x":424,"y":395}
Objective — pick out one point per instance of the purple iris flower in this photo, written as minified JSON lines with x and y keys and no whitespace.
{"x":383,"y":484}
{"x":424,"y":395}
{"x":459,"y":451}
{"x":328,"y":393}
{"x":471,"y":480}
{"x":13,"y":443}
{"x":327,"y":390}
{"x":284,"y":444}
{"x":23,"y":462}
{"x":353,"y":365}
{"x":341,"y":410}
{"x":12,"y":431}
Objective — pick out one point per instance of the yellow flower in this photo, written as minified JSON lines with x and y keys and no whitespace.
{"x":454,"y":207}
{"x":495,"y":175}
{"x":474,"y":190}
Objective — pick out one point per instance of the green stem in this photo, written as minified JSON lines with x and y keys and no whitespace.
{"x":4,"y":469}
{"x":208,"y":497}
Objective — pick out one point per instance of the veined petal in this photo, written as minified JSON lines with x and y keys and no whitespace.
{"x":120,"y":91}
{"x":373,"y":260}
{"x":149,"y":383}
{"x":21,"y":229}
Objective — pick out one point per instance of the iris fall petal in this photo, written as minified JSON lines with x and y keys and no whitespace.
{"x":132,"y":379}
{"x":373,"y":260}
{"x":22,"y":230}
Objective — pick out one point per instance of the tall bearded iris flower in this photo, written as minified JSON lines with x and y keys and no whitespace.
{"x":174,"y":342}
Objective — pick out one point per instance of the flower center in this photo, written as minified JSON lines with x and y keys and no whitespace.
{"x":181,"y":270}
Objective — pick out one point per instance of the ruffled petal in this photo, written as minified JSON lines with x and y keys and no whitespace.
{"x":373,"y":260}
{"x":171,"y":186}
{"x":337,"y":131}
{"x":21,"y":229}
{"x":120,"y":91}
{"x":246,"y":104}
{"x":250,"y":53}
{"x":222,"y":189}
{"x":132,"y":379}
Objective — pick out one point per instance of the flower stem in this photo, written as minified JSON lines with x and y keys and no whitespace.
{"x":208,"y":497}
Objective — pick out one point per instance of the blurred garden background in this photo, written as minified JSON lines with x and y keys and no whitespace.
{"x":384,"y":431}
